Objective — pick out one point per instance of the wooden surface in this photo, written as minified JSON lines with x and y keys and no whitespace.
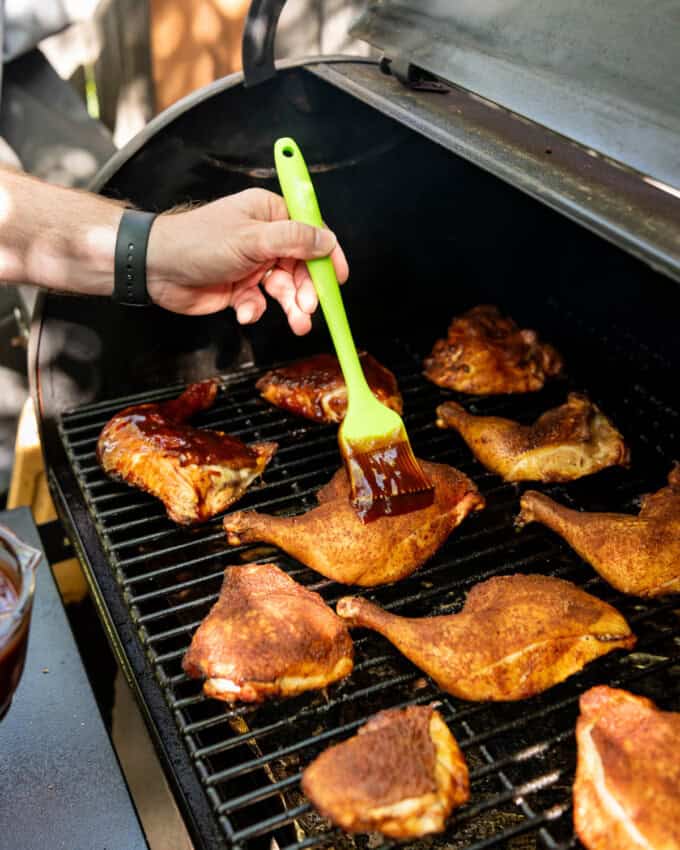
{"x":193,"y":42}
{"x":28,"y":488}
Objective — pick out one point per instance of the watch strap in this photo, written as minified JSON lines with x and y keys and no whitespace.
{"x":129,"y":287}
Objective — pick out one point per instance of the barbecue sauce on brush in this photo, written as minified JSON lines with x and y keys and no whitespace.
{"x":386,"y":482}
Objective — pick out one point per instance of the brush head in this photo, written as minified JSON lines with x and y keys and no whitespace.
{"x":385,"y":477}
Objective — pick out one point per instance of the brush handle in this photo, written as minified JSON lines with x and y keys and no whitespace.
{"x":303,"y":206}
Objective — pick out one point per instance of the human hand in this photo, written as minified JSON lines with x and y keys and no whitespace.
{"x":217,"y":256}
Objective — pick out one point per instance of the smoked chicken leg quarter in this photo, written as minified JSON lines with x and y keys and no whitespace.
{"x":515,"y":636}
{"x":402,"y":775}
{"x":333,"y":540}
{"x":565,"y":443}
{"x":267,"y":636}
{"x":485,"y":353}
{"x":635,"y":554}
{"x":627,"y":785}
{"x":315,"y":388}
{"x":195,"y":472}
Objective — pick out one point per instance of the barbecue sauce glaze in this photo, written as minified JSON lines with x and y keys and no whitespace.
{"x":315,"y":387}
{"x":198,"y":446}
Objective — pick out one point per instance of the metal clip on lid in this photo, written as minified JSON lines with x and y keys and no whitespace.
{"x":411,"y":75}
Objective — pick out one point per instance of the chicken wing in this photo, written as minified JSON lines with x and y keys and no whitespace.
{"x":402,"y":774}
{"x":333,"y":540}
{"x":627,"y":786}
{"x":267,"y":636}
{"x":565,"y":443}
{"x":486,"y":353}
{"x":315,"y":388}
{"x":515,"y":637}
{"x":635,"y":554}
{"x":195,"y":472}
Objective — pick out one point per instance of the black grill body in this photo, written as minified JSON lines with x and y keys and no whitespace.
{"x":428,"y":235}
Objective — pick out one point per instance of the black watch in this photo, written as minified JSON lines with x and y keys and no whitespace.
{"x":129,"y":281}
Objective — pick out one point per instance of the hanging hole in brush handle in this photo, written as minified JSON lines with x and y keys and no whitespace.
{"x":259,"y":36}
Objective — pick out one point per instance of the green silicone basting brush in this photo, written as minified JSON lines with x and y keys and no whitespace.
{"x":384,"y":474}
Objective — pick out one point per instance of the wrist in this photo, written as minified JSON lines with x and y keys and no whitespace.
{"x":163,"y":255}
{"x":91,"y":253}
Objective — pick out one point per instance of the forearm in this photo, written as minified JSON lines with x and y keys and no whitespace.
{"x":58,"y":238}
{"x":198,"y":261}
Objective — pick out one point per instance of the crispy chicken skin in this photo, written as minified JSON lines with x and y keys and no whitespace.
{"x":639,"y":555}
{"x":563,"y":444}
{"x":315,"y":388}
{"x":195,"y":472}
{"x":401,"y":775}
{"x":333,"y":540}
{"x":515,"y":637}
{"x":267,"y":636}
{"x":486,"y":353}
{"x":627,"y":786}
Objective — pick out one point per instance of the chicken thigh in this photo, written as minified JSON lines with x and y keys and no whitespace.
{"x":515,"y":637}
{"x":195,"y":472}
{"x":316,"y":390}
{"x":627,"y":786}
{"x":267,"y":636}
{"x":565,"y":443}
{"x":635,"y":554}
{"x":333,"y":540}
{"x":401,"y":775}
{"x":486,"y":353}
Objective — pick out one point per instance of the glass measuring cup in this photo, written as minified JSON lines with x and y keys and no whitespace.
{"x":18,"y":562}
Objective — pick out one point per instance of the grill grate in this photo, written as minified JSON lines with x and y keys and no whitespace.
{"x":249,"y":758}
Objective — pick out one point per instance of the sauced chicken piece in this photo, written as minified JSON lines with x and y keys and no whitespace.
{"x":267,"y":636}
{"x":515,"y":637}
{"x":635,"y":554}
{"x":315,"y":388}
{"x":627,"y":786}
{"x":565,"y":443}
{"x":195,"y":472}
{"x":401,"y":775}
{"x":486,"y":353}
{"x":333,"y":540}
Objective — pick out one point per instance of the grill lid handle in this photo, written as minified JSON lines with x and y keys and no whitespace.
{"x":259,"y":35}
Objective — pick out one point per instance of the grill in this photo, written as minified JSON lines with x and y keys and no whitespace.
{"x":476,"y":163}
{"x":242,"y":766}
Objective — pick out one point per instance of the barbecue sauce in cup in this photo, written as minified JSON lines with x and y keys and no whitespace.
{"x":9,"y":592}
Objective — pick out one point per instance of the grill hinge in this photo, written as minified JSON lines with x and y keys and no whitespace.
{"x":411,"y":75}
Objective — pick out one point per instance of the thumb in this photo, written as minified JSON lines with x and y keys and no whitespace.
{"x":293,"y":239}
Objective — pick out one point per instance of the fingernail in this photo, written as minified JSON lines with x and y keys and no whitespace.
{"x":308,"y":300}
{"x":245,"y":313}
{"x":324,"y":241}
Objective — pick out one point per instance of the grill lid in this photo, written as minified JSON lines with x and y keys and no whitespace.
{"x":602,"y":74}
